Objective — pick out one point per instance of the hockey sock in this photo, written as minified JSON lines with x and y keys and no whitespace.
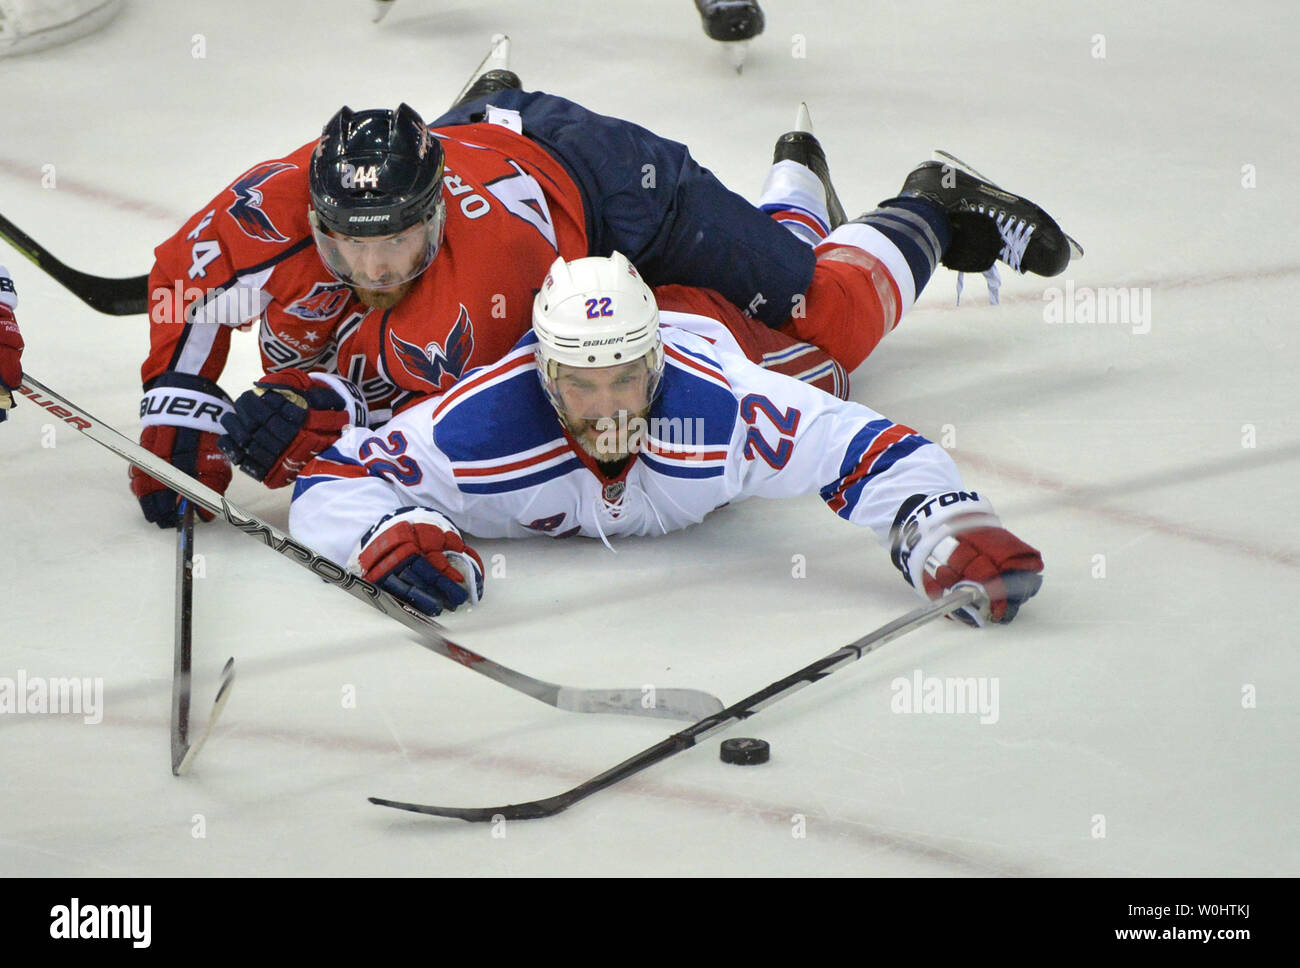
{"x":795,"y":197}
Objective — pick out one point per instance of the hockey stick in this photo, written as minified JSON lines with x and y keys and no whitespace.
{"x":965,"y":594}
{"x":182,"y":752}
{"x":115,"y":297}
{"x":181,"y":649}
{"x":218,"y":704}
{"x":497,"y":59}
{"x":679,"y":704}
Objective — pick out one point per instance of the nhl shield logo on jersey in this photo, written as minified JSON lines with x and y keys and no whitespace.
{"x":325,"y":301}
{"x":433,"y":364}
{"x":247,"y":208}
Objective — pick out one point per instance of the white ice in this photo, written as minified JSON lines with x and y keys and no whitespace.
{"x":1147,"y":721}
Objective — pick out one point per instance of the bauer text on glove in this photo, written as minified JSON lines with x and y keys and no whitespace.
{"x":181,"y":414}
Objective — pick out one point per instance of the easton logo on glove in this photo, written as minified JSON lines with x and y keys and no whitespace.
{"x":943,"y":540}
{"x":906,"y":535}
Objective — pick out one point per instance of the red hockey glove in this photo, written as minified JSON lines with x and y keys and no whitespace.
{"x":287,"y":419}
{"x":11,"y":343}
{"x":180,"y":413}
{"x":942,"y":539}
{"x":419,"y":557}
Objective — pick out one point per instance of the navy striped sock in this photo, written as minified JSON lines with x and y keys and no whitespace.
{"x":920,"y":230}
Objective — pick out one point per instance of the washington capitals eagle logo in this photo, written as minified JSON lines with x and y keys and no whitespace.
{"x":247,"y":209}
{"x":433,"y":364}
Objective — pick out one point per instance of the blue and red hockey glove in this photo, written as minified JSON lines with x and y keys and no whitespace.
{"x":288,"y":418}
{"x":940,"y":540}
{"x":11,"y":344}
{"x":419,"y":557}
{"x":181,"y":414}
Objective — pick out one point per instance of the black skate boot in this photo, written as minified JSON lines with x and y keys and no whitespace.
{"x":803,"y":147}
{"x":731,"y":19}
{"x":988,"y":223}
{"x":490,"y":82}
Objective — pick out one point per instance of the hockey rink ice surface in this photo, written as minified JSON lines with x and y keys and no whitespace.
{"x":1144,"y":720}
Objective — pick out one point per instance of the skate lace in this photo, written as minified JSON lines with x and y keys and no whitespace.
{"x":992,"y":279}
{"x":1015,"y":237}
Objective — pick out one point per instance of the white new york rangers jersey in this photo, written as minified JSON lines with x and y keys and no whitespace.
{"x":492,"y":455}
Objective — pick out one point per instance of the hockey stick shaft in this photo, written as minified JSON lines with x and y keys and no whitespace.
{"x":114,"y":297}
{"x":668,"y":703}
{"x":182,"y":656}
{"x":498,"y":57}
{"x":684,"y":740}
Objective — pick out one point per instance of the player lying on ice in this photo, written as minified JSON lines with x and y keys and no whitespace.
{"x":380,"y":264}
{"x":611,"y":418}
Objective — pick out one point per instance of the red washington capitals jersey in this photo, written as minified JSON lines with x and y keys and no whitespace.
{"x":248,"y":258}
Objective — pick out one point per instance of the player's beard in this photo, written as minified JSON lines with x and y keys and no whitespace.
{"x":590,"y":434}
{"x":384,"y":298}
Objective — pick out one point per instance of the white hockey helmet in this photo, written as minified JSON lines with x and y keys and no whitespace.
{"x":596,"y":312}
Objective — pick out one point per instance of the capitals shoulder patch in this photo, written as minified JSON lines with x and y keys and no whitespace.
{"x":246,"y":210}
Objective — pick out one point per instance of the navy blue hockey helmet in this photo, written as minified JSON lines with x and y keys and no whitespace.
{"x":375,"y":172}
{"x":376,"y":176}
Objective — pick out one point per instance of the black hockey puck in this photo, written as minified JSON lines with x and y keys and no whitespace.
{"x":745,"y":751}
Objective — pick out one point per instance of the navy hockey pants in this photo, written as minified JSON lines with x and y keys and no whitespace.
{"x":645,"y":196}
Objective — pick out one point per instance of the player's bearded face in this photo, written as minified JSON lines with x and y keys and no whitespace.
{"x":381,"y":270}
{"x":603,"y":407}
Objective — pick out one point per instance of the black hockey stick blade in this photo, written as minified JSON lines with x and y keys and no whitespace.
{"x":964,"y":594}
{"x":535,"y":810}
{"x":114,"y":297}
{"x":550,"y":806}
